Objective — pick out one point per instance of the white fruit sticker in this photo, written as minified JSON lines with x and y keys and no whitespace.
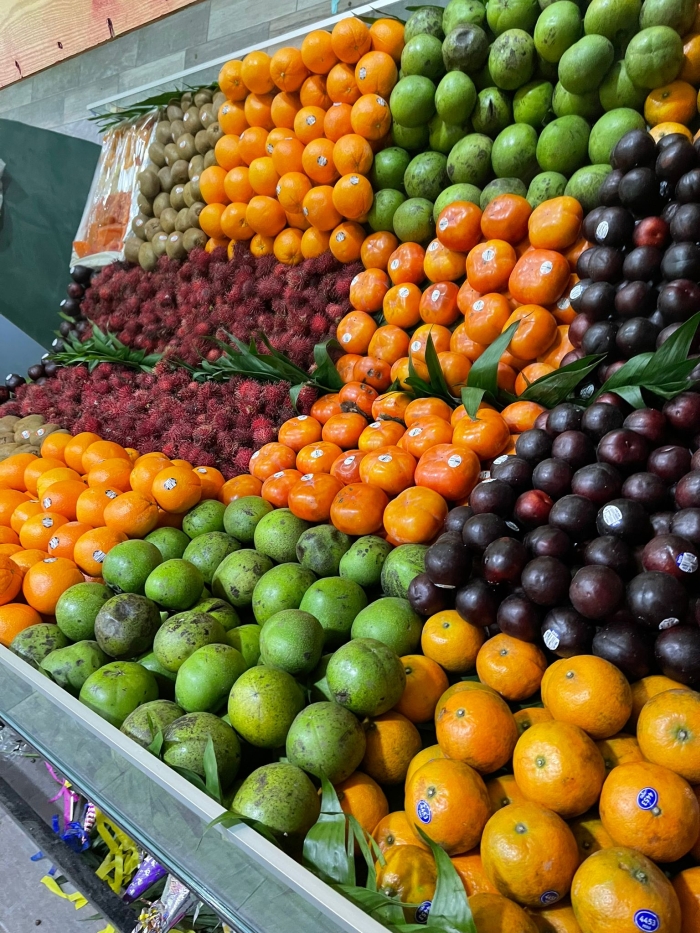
{"x":49,"y":560}
{"x":668,"y":623}
{"x":322,"y":161}
{"x":348,"y":461}
{"x":687,"y":562}
{"x":488,"y":254}
{"x":339,"y":237}
{"x":306,"y":477}
{"x":310,"y":120}
{"x":564,"y":303}
{"x":256,"y":454}
{"x":612,"y":515}
{"x":394,"y":264}
{"x":384,"y":458}
{"x":454,"y":460}
{"x":201,"y":469}
{"x":53,"y":542}
{"x":576,"y":291}
{"x":355,"y":280}
{"x":98,"y":556}
{"x":354,"y":180}
{"x":435,"y":294}
{"x":601,"y":231}
{"x":278,"y":475}
{"x":46,"y":503}
{"x":302,"y":417}
{"x":546,"y":268}
{"x":170,"y":483}
{"x":551,"y":639}
{"x":376,"y":424}
{"x":112,"y":493}
{"x":278,"y":189}
{"x":415,"y":346}
{"x":442,"y":225}
{"x":404,"y":293}
{"x":414,"y":432}
{"x":363,"y":73}
{"x":315,"y":454}
{"x":433,"y":246}
{"x":25,"y":434}
{"x":47,"y":521}
{"x":479,"y":305}
{"x":484,"y":475}
{"x":501,"y":459}
{"x":346,"y":338}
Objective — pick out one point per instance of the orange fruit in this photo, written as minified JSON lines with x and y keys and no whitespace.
{"x":451,"y":641}
{"x":10,"y":549}
{"x":486,"y":435}
{"x":649,"y":808}
{"x":395,"y":830}
{"x":644,"y":689}
{"x":529,"y":854}
{"x":476,"y":727}
{"x":431,"y":753}
{"x":274,"y":457}
{"x":287,"y":69}
{"x":620,"y":749}
{"x":350,"y":40}
{"x":63,"y":542}
{"x":12,"y":471}
{"x":262,"y":176}
{"x":38,"y":530}
{"x":425,"y":684}
{"x":211,"y":186}
{"x":514,"y":668}
{"x":287,"y":156}
{"x":14,"y":618}
{"x":387,"y":35}
{"x":232,"y":120}
{"x":352,"y":153}
{"x":371,"y":117}
{"x":503,"y":791}
{"x":62,"y":497}
{"x":37,"y":468}
{"x":448,"y":800}
{"x":360,"y":796}
{"x":115,"y":472}
{"x":527,"y":717}
{"x":255,"y":73}
{"x":26,"y":559}
{"x":47,"y":580}
{"x":308,"y":124}
{"x":675,"y":102}
{"x":616,"y":885}
{"x":341,"y":86}
{"x":408,"y":874}
{"x":317,"y":51}
{"x":8,"y":536}
{"x":313,"y":93}
{"x":416,"y":515}
{"x":686,"y":884}
{"x":494,"y":913}
{"x":557,"y":764}
{"x":91,"y":503}
{"x":91,"y":549}
{"x":352,"y":196}
{"x":590,"y":835}
{"x":10,"y":579}
{"x":283,"y":109}
{"x":211,"y":481}
{"x":392,"y":741}
{"x":253,"y":143}
{"x":99,"y":451}
{"x":376,"y":73}
{"x":210,"y":219}
{"x":176,"y":489}
{"x":318,"y":164}
{"x":590,"y":693}
{"x":239,"y":486}
{"x":346,"y":243}
{"x":25,"y":510}
{"x":668,"y":732}
{"x":470,"y":869}
{"x":287,"y":247}
{"x":54,"y":445}
{"x":265,"y":215}
{"x":135,"y":514}
{"x":10,"y":499}
{"x":231,"y":82}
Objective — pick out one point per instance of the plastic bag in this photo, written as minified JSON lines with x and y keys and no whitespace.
{"x":112,"y":201}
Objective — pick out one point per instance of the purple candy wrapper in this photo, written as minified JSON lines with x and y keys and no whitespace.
{"x":175,"y":901}
{"x":148,"y":872}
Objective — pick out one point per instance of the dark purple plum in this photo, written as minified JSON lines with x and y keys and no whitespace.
{"x":610,"y":552}
{"x":599,"y":418}
{"x":626,"y":519}
{"x":503,"y":560}
{"x":532,"y":508}
{"x":636,"y":335}
{"x":547,"y":541}
{"x":656,"y":599}
{"x":688,"y":188}
{"x":646,"y":488}
{"x":564,"y":417}
{"x":480,"y":530}
{"x":575,"y":515}
{"x":519,"y":617}
{"x":634,"y":149}
{"x":577,"y":292}
{"x":574,"y":447}
{"x":608,"y":193}
{"x":578,"y":328}
{"x":492,"y":496}
{"x":687,"y":494}
{"x":598,"y":301}
{"x":681,"y":261}
{"x":648,"y":422}
{"x":457,"y":517}
{"x":670,"y":462}
{"x":661,"y":522}
{"x":677,"y":651}
{"x":643,"y":264}
{"x":477,"y":603}
{"x":448,"y":562}
{"x":533,"y":445}
{"x":426,"y":598}
{"x":591,"y":221}
{"x":545,"y":581}
{"x":686,"y":523}
{"x":566,"y":633}
{"x":553,"y":477}
{"x":685,"y":225}
{"x":605,"y":264}
{"x":674,"y":160}
{"x":624,"y":449}
{"x":635,"y":298}
{"x":614,"y":228}
{"x":678,"y":300}
{"x":598,"y":482}
{"x":596,"y":591}
{"x":515,"y":471}
{"x":600,"y":338}
{"x":671,"y":554}
{"x":639,"y":191}
{"x":683,"y":412}
{"x":627,"y":646}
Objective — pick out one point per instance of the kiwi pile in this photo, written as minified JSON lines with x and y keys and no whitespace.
{"x":24,"y":435}
{"x":169,"y":198}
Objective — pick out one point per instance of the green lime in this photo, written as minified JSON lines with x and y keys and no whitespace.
{"x":171,"y":542}
{"x":263,"y":704}
{"x":533,"y":103}
{"x":455,"y":98}
{"x":514,"y":152}
{"x":443,"y":136}
{"x":388,"y":168}
{"x":609,"y":130}
{"x":77,"y":608}
{"x":283,"y":587}
{"x":617,"y":90}
{"x":292,"y":641}
{"x":412,"y":101}
{"x":386,"y":202}
{"x":422,"y":55}
{"x":493,"y":112}
{"x":206,"y":552}
{"x":413,"y":221}
{"x":335,"y":602}
{"x":558,"y":27}
{"x":175,"y":585}
{"x":583,"y":65}
{"x":512,"y":59}
{"x":654,"y":57}
{"x":512,"y":14}
{"x":128,"y":565}
{"x":206,"y":516}
{"x":563,"y":145}
{"x":461,"y":192}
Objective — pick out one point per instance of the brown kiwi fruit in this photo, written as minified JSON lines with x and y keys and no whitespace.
{"x":202,"y":97}
{"x":179,"y":172}
{"x":166,"y":179}
{"x":174,"y":247}
{"x":178,"y":129}
{"x":183,"y":220}
{"x":186,"y":147}
{"x":194,"y":188}
{"x":209,"y":159}
{"x":158,"y":243}
{"x":207,"y":115}
{"x":217,"y":100}
{"x":138,"y":226}
{"x":202,"y":143}
{"x":147,"y":258}
{"x":186,"y":101}
{"x":132,"y":245}
{"x":172,"y":154}
{"x":149,"y":185}
{"x":161,"y":202}
{"x":187,"y":195}
{"x":196,"y":166}
{"x":145,"y":205}
{"x":193,"y":238}
{"x":151,"y":228}
{"x":177,"y":198}
{"x":192,"y":121}
{"x":164,"y":133}
{"x":9,"y":421}
{"x":167,"y":219}
{"x":156,"y":153}
{"x":193,"y":213}
{"x":214,"y":132}
{"x":29,"y":421}
{"x":174,"y":111}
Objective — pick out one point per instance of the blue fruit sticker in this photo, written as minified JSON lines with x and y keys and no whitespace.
{"x":423,"y":811}
{"x":549,"y":897}
{"x":647,"y":921}
{"x":647,"y":798}
{"x":422,"y":912}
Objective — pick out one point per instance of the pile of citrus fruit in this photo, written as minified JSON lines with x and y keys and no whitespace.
{"x":301,"y":129}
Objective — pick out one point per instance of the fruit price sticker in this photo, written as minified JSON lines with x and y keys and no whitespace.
{"x":647,"y":798}
{"x":647,"y":921}
{"x":423,"y":811}
{"x":550,"y":897}
{"x":687,"y":562}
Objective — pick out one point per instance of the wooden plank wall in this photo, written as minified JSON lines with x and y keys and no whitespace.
{"x":35,"y":34}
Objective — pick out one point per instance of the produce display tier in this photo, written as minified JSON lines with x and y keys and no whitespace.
{"x":250,"y":883}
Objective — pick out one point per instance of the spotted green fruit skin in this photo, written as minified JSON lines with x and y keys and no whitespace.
{"x":140,"y":724}
{"x":126,"y":625}
{"x":366,"y":677}
{"x":242,"y":516}
{"x":282,"y":587}
{"x":392,"y":621}
{"x":182,"y":634}
{"x":185,"y":742}
{"x":363,"y":562}
{"x":205,"y":679}
{"x":292,"y":641}
{"x":237,"y":575}
{"x":77,"y":608}
{"x":33,"y":644}
{"x":320,"y":549}
{"x":262,"y":705}
{"x":277,"y":533}
{"x":402,"y":564}
{"x":326,"y":738}
{"x":281,"y":797}
{"x":70,"y":667}
{"x":117,"y":689}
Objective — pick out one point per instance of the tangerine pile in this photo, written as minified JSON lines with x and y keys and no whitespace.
{"x":62,"y":512}
{"x":301,"y":129}
{"x":483,"y":272}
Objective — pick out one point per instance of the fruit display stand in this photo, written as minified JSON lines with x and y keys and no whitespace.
{"x":250,"y":883}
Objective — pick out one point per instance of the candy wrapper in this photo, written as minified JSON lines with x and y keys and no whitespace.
{"x":13,"y":745}
{"x":148,"y":872}
{"x":175,"y":901}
